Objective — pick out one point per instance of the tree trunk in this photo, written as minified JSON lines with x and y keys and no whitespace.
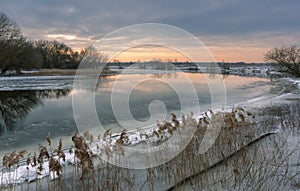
{"x":4,"y":70}
{"x":18,"y":71}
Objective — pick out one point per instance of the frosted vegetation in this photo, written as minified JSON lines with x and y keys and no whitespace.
{"x":246,"y":156}
{"x":257,"y":149}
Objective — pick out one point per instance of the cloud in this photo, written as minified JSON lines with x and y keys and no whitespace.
{"x":254,"y":23}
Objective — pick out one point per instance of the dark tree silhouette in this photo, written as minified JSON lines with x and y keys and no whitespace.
{"x":16,"y":52}
{"x":286,"y":58}
{"x":93,"y":58}
{"x":58,"y":55}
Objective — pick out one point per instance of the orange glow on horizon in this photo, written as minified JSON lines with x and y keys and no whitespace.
{"x":220,"y":54}
{"x":230,"y":53}
{"x":223,"y":48}
{"x":151,"y":53}
{"x":239,"y":54}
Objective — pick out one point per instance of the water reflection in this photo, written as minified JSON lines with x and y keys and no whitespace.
{"x":29,"y":115}
{"x":15,"y":105}
{"x":166,"y":75}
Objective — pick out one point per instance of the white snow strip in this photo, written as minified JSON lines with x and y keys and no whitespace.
{"x":97,"y":147}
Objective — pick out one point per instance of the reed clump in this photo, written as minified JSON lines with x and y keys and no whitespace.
{"x":83,"y":154}
{"x":245,"y":156}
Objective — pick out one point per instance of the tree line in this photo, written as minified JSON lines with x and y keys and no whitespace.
{"x":18,"y":52}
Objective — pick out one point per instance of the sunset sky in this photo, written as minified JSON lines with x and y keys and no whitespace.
{"x":233,"y":30}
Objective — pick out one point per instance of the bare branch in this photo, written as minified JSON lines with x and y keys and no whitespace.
{"x":287,"y":58}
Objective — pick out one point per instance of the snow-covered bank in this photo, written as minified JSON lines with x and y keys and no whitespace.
{"x":35,"y":83}
{"x":10,"y":83}
{"x":295,"y":81}
{"x":109,"y":143}
{"x":146,"y":136}
{"x":23,"y":174}
{"x":28,"y":172}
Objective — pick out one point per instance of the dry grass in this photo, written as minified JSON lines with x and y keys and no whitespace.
{"x":244,"y":157}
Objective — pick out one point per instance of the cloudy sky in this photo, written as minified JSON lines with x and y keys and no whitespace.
{"x":233,"y":30}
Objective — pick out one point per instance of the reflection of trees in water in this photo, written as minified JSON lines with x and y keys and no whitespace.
{"x":215,"y":70}
{"x":214,"y":75}
{"x":15,"y":105}
{"x":107,"y":82}
{"x":165,"y":75}
{"x":156,"y":64}
{"x":92,"y":84}
{"x":51,"y":94}
{"x":104,"y":82}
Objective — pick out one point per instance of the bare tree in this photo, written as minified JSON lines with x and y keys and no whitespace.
{"x":9,"y":30}
{"x":287,"y":59}
{"x":94,"y":58}
{"x":16,"y":52}
{"x":58,"y":55}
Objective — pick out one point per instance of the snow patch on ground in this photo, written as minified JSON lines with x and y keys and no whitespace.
{"x":98,"y":147}
{"x":295,"y":81}
{"x":35,"y":83}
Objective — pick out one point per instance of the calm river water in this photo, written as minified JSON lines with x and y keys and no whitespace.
{"x":32,"y":107}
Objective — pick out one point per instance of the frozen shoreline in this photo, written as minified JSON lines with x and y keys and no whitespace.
{"x":21,"y":175}
{"x":11,"y":83}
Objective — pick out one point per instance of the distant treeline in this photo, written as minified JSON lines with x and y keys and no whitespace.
{"x":186,"y":64}
{"x":17,"y":52}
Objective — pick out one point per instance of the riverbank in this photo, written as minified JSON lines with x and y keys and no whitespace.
{"x":270,"y":163}
{"x":55,"y":72}
{"x":257,"y":70}
{"x":268,"y":159}
{"x":174,"y":173}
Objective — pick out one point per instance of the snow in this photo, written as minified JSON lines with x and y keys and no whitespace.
{"x":35,"y":77}
{"x":29,"y":173}
{"x":35,"y":83}
{"x":295,"y":81}
{"x":98,"y":147}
